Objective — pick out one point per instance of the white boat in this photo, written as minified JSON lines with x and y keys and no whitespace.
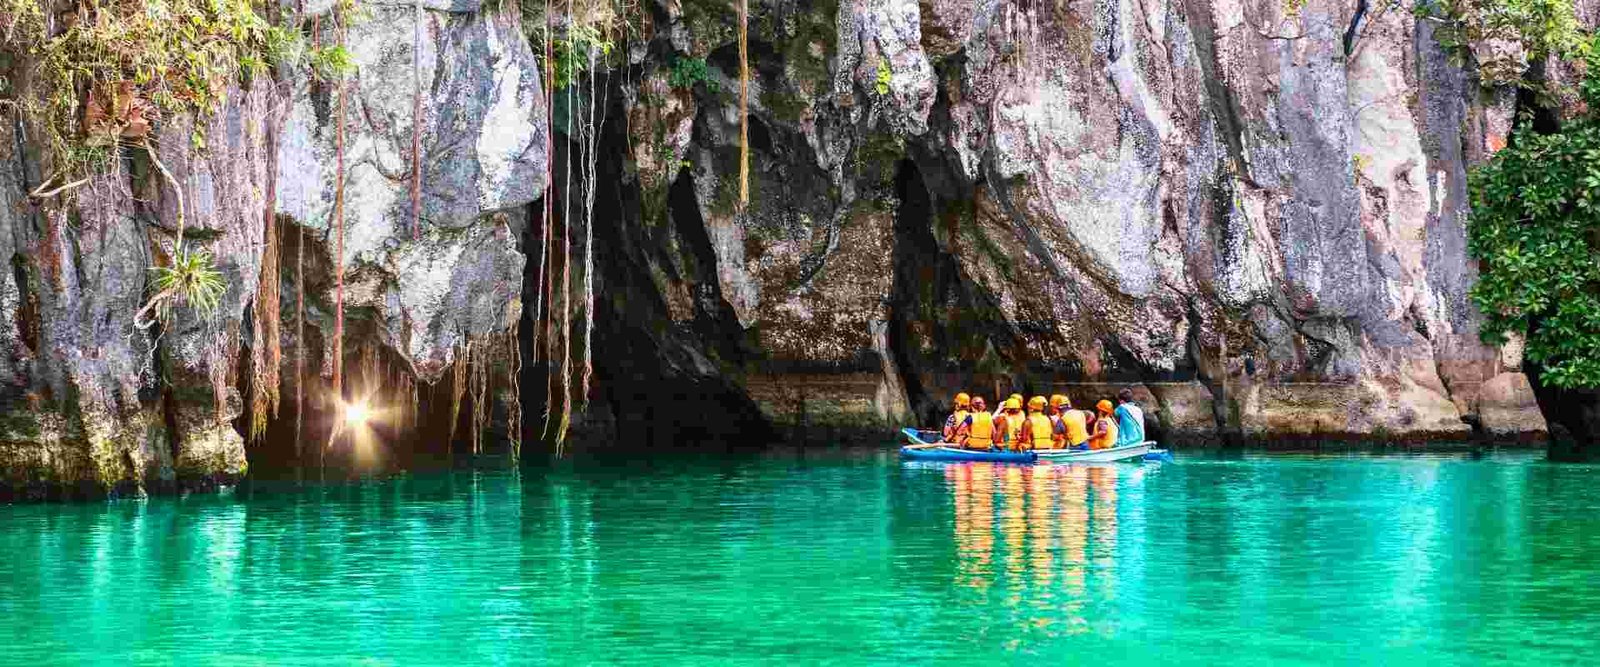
{"x":1122,"y":453}
{"x":943,"y":451}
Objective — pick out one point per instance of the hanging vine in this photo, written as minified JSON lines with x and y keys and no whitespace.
{"x":744,"y":103}
{"x":338,"y":224}
{"x":416,"y":120}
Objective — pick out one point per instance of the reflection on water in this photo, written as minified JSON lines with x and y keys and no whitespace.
{"x":840,"y":557}
{"x":1050,"y":528}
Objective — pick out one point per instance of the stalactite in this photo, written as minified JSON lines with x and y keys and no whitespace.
{"x":744,"y":103}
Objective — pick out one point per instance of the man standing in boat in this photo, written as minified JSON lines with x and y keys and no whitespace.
{"x":1130,"y":420}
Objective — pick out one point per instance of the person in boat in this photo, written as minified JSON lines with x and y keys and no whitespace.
{"x":979,"y":428}
{"x":1001,"y":408}
{"x":1074,"y":424}
{"x":1130,"y":420}
{"x":1105,"y":427}
{"x":1009,"y":423}
{"x":1038,"y":432}
{"x":1058,"y":430}
{"x":952,"y":425}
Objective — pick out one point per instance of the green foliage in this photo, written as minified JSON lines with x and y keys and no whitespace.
{"x":686,"y":72}
{"x":1544,"y":27}
{"x":191,"y":280}
{"x":574,"y":52}
{"x":21,"y":21}
{"x":332,"y":63}
{"x":885,"y":75}
{"x":1535,"y":229}
{"x":150,"y":57}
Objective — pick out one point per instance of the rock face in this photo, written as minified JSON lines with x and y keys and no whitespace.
{"x":483,"y":146}
{"x":92,"y":403}
{"x":1250,"y":212}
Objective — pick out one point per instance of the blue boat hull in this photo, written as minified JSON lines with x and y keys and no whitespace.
{"x":951,"y":454}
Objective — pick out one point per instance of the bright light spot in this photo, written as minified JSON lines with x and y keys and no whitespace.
{"x":356,"y":414}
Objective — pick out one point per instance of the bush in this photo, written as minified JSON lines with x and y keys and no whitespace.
{"x":155,"y":56}
{"x":686,"y":72}
{"x":1535,"y":229}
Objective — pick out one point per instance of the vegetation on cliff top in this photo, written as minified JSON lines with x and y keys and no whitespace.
{"x":1535,"y":228}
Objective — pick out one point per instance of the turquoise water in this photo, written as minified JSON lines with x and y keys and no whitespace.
{"x":845,"y":557}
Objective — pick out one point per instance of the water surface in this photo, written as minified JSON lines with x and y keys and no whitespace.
{"x":845,"y":557}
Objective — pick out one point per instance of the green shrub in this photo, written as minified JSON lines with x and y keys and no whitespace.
{"x":192,"y":280}
{"x":686,"y":72}
{"x":1544,"y":27}
{"x":166,"y":56}
{"x":1535,"y":230}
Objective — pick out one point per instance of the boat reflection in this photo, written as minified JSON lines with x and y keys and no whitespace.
{"x":1039,"y":542}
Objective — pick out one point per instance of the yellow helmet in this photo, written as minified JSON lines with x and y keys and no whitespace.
{"x":1015,"y":396}
{"x":963,"y":400}
{"x":1060,"y":400}
{"x":1036,"y":403}
{"x":1013,"y":403}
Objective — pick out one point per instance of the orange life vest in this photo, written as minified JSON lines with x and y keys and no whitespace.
{"x":1106,"y":436}
{"x":1040,"y":431}
{"x":981,"y":434}
{"x":953,"y":434}
{"x":1014,"y":427}
{"x":1077,"y":428}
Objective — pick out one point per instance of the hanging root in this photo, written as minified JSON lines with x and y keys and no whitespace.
{"x":744,"y":103}
{"x":416,"y":120}
{"x":482,"y":358}
{"x":514,"y":379}
{"x":266,"y":353}
{"x":41,"y":193}
{"x":338,"y":221}
{"x":299,"y":343}
{"x":177,"y":189}
{"x":458,"y":386}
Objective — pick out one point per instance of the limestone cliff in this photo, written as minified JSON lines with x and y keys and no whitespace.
{"x":93,"y":403}
{"x":1252,"y":212}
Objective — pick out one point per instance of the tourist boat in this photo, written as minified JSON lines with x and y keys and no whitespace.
{"x":922,"y":449}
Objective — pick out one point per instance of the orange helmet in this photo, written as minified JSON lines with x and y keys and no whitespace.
{"x":1059,"y":400}
{"x":1104,"y":406}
